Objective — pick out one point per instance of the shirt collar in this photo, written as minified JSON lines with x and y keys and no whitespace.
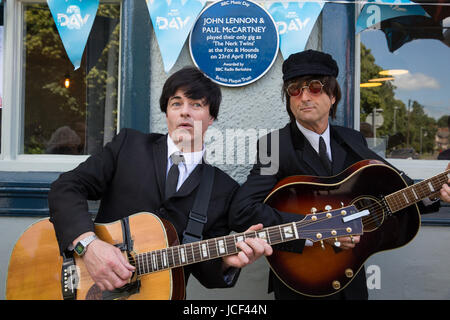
{"x":191,"y":159}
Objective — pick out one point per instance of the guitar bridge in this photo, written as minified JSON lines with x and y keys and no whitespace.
{"x":69,"y":277}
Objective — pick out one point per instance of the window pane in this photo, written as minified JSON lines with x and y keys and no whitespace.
{"x":404,"y":113}
{"x":67,"y":111}
{"x":1,"y":70}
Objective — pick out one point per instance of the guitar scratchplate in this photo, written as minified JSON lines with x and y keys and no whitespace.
{"x":356,"y":215}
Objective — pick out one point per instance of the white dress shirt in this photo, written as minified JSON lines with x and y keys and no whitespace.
{"x":313,"y":139}
{"x":191,"y":160}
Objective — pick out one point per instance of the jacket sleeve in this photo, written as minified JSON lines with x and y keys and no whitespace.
{"x":247,"y":207}
{"x":69,"y":194}
{"x":211,"y":275}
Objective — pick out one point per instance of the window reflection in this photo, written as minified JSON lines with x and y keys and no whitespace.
{"x":443,"y":140}
{"x":1,"y":67}
{"x":67,"y":111}
{"x":405,"y":109}
{"x":405,"y":113}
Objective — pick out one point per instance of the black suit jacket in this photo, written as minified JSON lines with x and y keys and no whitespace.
{"x":129,"y":176}
{"x":296,"y":157}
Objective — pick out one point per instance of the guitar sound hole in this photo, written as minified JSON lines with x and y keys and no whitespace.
{"x":376,"y":217}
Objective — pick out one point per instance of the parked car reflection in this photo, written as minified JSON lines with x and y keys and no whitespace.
{"x":404,"y":153}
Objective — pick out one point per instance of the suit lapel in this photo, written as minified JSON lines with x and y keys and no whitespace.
{"x":191,"y":182}
{"x":305,"y":152}
{"x":160,"y":156}
{"x":311,"y":158}
{"x":337,"y":151}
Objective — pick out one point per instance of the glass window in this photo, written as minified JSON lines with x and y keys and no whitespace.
{"x":67,"y":111}
{"x":1,"y":67}
{"x":405,"y":92}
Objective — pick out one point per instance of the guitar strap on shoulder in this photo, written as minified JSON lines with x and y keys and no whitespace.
{"x":199,"y":212}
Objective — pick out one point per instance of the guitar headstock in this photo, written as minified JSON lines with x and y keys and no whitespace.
{"x":342,"y":222}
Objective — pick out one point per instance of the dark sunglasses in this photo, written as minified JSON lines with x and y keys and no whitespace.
{"x":314,"y":87}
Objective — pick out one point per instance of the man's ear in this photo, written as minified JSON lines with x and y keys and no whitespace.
{"x":211,"y":120}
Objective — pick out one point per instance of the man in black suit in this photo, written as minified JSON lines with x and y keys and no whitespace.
{"x":129,"y":176}
{"x":445,"y":155}
{"x":308,"y":145}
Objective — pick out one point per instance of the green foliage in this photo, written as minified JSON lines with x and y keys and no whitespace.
{"x":443,"y":121}
{"x":410,"y":121}
{"x":49,"y":105}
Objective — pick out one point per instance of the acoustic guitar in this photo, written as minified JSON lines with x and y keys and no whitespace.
{"x":37,"y":271}
{"x":393,"y":221}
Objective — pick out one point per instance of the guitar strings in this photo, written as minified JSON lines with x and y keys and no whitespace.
{"x":376,"y":209}
{"x":193,"y":254}
{"x":196,"y":250}
{"x":421,"y":188}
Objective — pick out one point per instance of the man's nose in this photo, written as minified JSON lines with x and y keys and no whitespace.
{"x":185,"y":109}
{"x":304,"y":94}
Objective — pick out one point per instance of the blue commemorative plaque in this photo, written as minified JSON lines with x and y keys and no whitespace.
{"x":234,"y":42}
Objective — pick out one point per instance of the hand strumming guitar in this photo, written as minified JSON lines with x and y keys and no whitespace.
{"x":445,"y":191}
{"x":106,"y":264}
{"x":109,"y":268}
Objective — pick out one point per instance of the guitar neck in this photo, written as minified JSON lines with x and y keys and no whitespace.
{"x":194,"y":252}
{"x":417,"y":192}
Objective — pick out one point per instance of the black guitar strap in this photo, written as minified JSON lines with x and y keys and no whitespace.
{"x":199,"y":212}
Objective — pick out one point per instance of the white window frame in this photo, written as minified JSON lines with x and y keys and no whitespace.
{"x":415,"y":169}
{"x":13,"y":101}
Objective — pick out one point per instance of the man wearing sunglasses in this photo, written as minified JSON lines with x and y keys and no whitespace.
{"x":308,"y":145}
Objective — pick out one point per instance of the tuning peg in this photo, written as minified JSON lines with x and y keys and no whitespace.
{"x":336,"y":242}
{"x":328,"y":207}
{"x":322,"y":245}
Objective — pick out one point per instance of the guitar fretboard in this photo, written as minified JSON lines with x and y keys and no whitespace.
{"x":189,"y":253}
{"x":417,"y":192}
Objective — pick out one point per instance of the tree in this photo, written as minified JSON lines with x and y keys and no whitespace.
{"x":48,"y":104}
{"x":383,"y":98}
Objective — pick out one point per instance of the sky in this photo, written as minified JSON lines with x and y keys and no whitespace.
{"x":428,"y":63}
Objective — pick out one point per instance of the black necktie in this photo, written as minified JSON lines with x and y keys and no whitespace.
{"x":172,"y":176}
{"x":323,"y":155}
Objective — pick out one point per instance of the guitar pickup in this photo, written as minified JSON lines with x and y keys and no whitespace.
{"x":356,"y":215}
